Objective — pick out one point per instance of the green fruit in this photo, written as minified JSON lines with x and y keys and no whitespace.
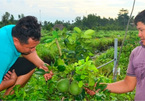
{"x":61,"y":68}
{"x":74,"y":89}
{"x":63,"y":85}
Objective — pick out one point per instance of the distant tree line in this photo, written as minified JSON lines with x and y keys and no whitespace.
{"x":91,"y":21}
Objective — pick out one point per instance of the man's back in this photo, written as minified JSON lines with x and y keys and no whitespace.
{"x":8,"y":52}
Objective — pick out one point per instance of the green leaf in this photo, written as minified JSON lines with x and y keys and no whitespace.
{"x":61,"y":68}
{"x":71,"y":52}
{"x":60,"y":62}
{"x":106,"y":91}
{"x":97,"y":85}
{"x":93,"y":68}
{"x":79,"y":69}
{"x":87,"y":59}
{"x":103,"y":86}
{"x":99,"y":96}
{"x":80,"y":84}
{"x":80,"y":62}
{"x":78,"y":30}
{"x":91,"y":82}
{"x":66,"y":41}
{"x":83,"y":76}
{"x":88,"y":34}
{"x":55,"y":34}
{"x":48,"y":40}
{"x":48,"y":66}
{"x":40,"y":72}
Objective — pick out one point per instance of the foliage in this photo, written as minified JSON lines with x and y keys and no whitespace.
{"x":69,"y":54}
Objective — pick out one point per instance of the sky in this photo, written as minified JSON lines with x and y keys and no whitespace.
{"x":68,"y":10}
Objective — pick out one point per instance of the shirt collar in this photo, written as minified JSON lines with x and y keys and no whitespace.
{"x":142,"y":44}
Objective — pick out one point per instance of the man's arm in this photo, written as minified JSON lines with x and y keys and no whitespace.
{"x":34,"y":58}
{"x":123,"y":86}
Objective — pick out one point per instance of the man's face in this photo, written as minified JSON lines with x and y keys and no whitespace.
{"x":26,"y":48}
{"x":141,"y":33}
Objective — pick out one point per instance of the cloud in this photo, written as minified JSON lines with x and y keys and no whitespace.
{"x":68,"y":9}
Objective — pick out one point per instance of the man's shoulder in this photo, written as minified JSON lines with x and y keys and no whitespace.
{"x":4,"y":31}
{"x":7,"y":27}
{"x":138,"y":49}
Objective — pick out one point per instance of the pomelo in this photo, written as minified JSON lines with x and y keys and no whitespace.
{"x":74,"y":89}
{"x":63,"y":85}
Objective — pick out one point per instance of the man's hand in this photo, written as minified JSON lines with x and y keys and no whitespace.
{"x":90,"y":92}
{"x":48,"y":76}
{"x":9,"y":80}
{"x":44,"y":67}
{"x":10,"y":75}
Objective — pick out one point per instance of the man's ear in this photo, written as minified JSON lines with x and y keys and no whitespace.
{"x":16,"y":41}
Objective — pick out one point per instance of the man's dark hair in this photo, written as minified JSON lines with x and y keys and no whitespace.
{"x":140,"y":17}
{"x":27,"y":27}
